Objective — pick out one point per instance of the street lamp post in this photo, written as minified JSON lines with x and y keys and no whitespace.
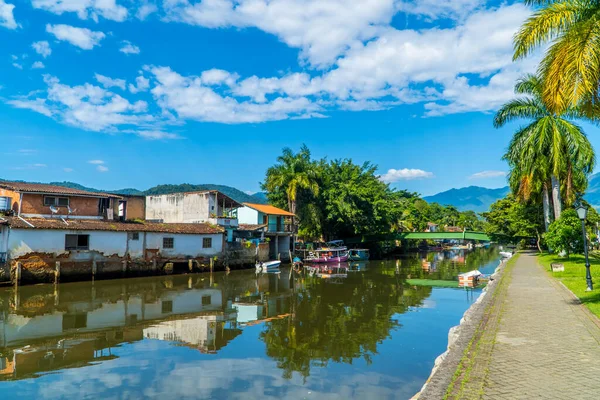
{"x":582,"y":211}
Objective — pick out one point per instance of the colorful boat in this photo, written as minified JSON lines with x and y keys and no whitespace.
{"x":327,"y":255}
{"x":358,"y":254}
{"x":269,"y":266}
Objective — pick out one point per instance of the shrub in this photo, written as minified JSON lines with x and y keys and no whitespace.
{"x":565,"y":235}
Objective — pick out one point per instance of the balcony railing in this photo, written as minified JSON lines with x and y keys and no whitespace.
{"x":281,"y":228}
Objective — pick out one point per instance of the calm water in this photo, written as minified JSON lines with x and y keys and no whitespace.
{"x":370,"y":335}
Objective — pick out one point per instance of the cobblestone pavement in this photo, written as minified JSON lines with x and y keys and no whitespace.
{"x":546,"y":345}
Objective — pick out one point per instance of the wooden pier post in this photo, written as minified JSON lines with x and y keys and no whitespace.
{"x":212,"y":264}
{"x":94,"y":269}
{"x":154,"y":265}
{"x":57,"y":272}
{"x":18,"y":272}
{"x":191,"y":265}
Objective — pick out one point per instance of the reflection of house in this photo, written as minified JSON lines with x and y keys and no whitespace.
{"x":192,"y":207}
{"x":208,"y":333}
{"x":272,"y":222}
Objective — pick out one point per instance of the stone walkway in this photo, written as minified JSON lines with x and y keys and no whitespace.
{"x":546,"y":345}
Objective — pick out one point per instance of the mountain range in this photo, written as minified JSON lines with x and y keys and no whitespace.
{"x":474,"y":198}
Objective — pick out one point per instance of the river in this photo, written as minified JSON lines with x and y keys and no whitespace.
{"x":224,"y":336}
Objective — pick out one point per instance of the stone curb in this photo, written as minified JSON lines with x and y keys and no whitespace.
{"x":459,"y":338}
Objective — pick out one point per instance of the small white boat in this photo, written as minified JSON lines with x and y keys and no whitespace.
{"x":268,"y":266}
{"x":506,"y":254}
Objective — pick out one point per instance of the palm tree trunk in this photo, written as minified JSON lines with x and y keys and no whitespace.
{"x":556,"y":200}
{"x":546,"y":203}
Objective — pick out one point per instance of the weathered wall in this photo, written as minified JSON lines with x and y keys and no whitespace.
{"x":136,"y":207}
{"x":246,"y":215}
{"x":168,"y":207}
{"x":83,"y":206}
{"x":14,"y":198}
{"x":197,"y":207}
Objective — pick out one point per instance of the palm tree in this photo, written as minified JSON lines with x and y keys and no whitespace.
{"x":550,"y":152}
{"x":292,"y":173}
{"x":571,"y":67}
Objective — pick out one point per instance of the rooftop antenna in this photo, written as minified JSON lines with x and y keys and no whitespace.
{"x":53,"y":210}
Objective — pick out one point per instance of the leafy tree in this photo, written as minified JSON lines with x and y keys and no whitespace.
{"x":565,"y":234}
{"x":551,"y":151}
{"x":570,"y":69}
{"x":513,"y":219}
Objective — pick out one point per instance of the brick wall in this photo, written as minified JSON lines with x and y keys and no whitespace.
{"x":84,"y":206}
{"x":14,"y":198}
{"x":136,"y":207}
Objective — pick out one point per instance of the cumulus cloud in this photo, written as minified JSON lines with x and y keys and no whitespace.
{"x":395,"y":175}
{"x":437,"y":9}
{"x":81,"y":37}
{"x":86,"y":106}
{"x":96,"y":162}
{"x":157,"y":135}
{"x":38,"y":65}
{"x":108,"y":9}
{"x":7,"y":18}
{"x":128,"y":48}
{"x":107,"y":82}
{"x":42,"y":48}
{"x":102,"y":168}
{"x":487,"y":174}
{"x":145,"y":10}
{"x":141,"y":85}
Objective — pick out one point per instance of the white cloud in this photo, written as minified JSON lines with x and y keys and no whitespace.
{"x":436,"y":9}
{"x":7,"y":18}
{"x":37,"y":105}
{"x":487,"y":174}
{"x":157,"y":135}
{"x":81,"y":37}
{"x":141,"y":85}
{"x":42,"y":48}
{"x":38,"y":65}
{"x":68,"y":169}
{"x":322,"y":29}
{"x":17,"y":65}
{"x":128,"y":48}
{"x":110,"y":82}
{"x":395,"y":175}
{"x":96,"y":162}
{"x":84,"y":9}
{"x":101,"y":168}
{"x":145,"y":10}
{"x":40,"y":165}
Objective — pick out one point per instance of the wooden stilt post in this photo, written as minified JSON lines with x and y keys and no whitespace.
{"x":94,"y":269}
{"x":57,"y":272}
{"x":18,"y":272}
{"x":154,"y":265}
{"x":212,"y":264}
{"x":191,"y":265}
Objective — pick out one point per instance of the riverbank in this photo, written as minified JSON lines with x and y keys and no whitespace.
{"x":464,"y":341}
{"x":534,"y":340}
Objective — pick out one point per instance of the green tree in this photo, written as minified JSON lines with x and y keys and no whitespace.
{"x":565,"y":234}
{"x":570,"y":69}
{"x":513,"y":220}
{"x":292,"y":173}
{"x":551,"y":151}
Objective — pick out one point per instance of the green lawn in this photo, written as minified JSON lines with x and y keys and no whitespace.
{"x":574,"y":277}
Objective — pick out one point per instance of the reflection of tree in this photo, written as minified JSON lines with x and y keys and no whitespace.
{"x":338,"y":323}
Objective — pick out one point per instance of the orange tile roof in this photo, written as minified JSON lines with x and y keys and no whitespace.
{"x":269,"y":209}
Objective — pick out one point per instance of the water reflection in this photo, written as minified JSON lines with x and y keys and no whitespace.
{"x":305,"y":327}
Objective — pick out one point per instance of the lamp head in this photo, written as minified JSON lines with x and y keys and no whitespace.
{"x":582,"y":210}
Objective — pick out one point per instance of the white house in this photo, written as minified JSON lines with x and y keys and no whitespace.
{"x":42,"y":242}
{"x":277,"y":225}
{"x":209,"y":206}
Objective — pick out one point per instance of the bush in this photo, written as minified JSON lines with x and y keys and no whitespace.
{"x":564,"y":234}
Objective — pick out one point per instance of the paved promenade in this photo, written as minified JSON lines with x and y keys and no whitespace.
{"x":537,"y":342}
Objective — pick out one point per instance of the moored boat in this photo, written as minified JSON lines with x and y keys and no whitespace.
{"x":332,"y":252}
{"x":358,"y":254}
{"x":269,"y":266}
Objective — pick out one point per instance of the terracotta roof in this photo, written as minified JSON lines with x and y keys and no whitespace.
{"x":250,"y":227}
{"x":44,"y":188}
{"x":269,"y":209}
{"x":99,"y":225}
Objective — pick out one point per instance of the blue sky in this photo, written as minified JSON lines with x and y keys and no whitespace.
{"x":134,"y":93}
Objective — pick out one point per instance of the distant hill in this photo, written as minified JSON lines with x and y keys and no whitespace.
{"x":262,"y":196}
{"x":593,"y":192}
{"x":475,"y":198}
{"x":232,"y":192}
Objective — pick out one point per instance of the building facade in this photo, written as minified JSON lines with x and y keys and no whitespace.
{"x":274,"y":223}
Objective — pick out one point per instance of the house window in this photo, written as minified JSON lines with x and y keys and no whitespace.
{"x":168,"y":243}
{"x":135,"y":236}
{"x":56,"y":201}
{"x":206,"y":300}
{"x":77,"y":242}
{"x":206,"y":243}
{"x":167,"y":306}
